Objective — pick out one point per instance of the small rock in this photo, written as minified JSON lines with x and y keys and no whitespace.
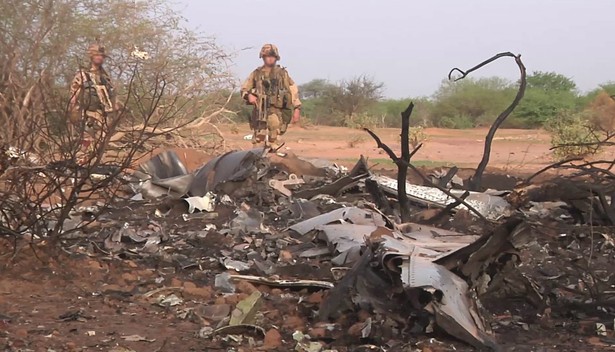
{"x":93,"y":264}
{"x":201,"y":292}
{"x":245,"y":287}
{"x":232,"y":299}
{"x":294,"y":323}
{"x":263,"y":288}
{"x":317,"y":333}
{"x":355,"y":329}
{"x":220,"y":300}
{"x":363,"y":315}
{"x":273,"y":339}
{"x":315,"y":298}
{"x":145,"y":273}
{"x":21,"y":333}
{"x":273,"y":314}
{"x":130,"y":277}
{"x":215,"y":312}
{"x":131,"y":263}
{"x":285,"y":256}
{"x":189,"y":285}
{"x":223,"y":283}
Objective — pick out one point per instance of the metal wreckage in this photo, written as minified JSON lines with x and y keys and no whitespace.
{"x":420,"y":277}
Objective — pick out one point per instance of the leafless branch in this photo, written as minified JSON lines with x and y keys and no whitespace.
{"x":476,"y":179}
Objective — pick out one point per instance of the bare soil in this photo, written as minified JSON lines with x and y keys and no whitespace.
{"x":514,"y":150}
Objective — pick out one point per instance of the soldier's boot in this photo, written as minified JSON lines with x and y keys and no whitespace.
{"x":258,"y":137}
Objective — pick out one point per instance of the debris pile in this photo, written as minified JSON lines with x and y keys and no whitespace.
{"x":292,"y":254}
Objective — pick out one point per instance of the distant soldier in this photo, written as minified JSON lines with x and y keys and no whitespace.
{"x":274,"y":96}
{"x":92,"y":97}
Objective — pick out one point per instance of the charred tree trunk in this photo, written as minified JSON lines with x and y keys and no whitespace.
{"x":402,"y":162}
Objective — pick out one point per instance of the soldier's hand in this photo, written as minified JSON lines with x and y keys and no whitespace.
{"x":296,"y":115}
{"x":252,"y":99}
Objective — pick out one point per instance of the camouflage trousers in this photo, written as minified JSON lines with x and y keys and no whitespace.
{"x":93,"y":129}
{"x":269,"y":130}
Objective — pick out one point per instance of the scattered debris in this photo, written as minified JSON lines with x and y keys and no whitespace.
{"x":245,"y":310}
{"x":296,"y":283}
{"x":231,"y":172}
{"x":223,"y":283}
{"x":491,"y":206}
{"x":281,"y":185}
{"x":137,"y":338}
{"x":205,"y":203}
{"x":327,"y":261}
{"x":236,"y":265}
{"x":169,"y":301}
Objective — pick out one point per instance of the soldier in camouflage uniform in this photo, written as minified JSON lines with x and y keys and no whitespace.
{"x":275,"y":97}
{"x":92,"y":98}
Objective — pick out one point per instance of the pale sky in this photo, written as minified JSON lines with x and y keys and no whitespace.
{"x":411,"y":45}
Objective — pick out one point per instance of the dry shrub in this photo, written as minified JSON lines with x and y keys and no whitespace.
{"x":168,"y":98}
{"x":417,"y":136}
{"x":572,"y":136}
{"x":362,"y":120}
{"x":601,"y":112}
{"x":356,"y":139}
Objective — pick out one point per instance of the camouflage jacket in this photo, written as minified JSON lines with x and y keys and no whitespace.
{"x":85,"y":90}
{"x":276,"y":83}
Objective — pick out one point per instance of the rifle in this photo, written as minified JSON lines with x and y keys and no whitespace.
{"x":103,"y":95}
{"x":101,"y":91}
{"x":262,"y":107}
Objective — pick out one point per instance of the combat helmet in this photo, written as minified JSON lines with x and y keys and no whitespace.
{"x":269,"y":50}
{"x":96,"y":49}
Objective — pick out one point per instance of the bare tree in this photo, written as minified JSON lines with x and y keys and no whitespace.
{"x":354,"y":96}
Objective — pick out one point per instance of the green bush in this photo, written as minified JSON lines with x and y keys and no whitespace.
{"x":570,"y":135}
{"x":458,"y":122}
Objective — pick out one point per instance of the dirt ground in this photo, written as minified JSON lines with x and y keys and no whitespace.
{"x":81,"y":300}
{"x":512,"y":149}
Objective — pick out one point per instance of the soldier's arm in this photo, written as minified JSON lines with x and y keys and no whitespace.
{"x":75,"y":89}
{"x":294,"y":92}
{"x":247,"y":86}
{"x":117,"y":105}
{"x":111,"y":87}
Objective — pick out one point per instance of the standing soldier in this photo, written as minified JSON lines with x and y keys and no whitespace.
{"x":274,"y":95}
{"x":92,"y":98}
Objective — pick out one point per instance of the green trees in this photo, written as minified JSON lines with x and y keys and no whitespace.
{"x":340,"y":103}
{"x":471,"y":102}
{"x":547,"y":95}
{"x":354,"y":96}
{"x":316,"y":89}
{"x":464,"y":104}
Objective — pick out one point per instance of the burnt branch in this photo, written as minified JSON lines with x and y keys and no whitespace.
{"x":402,"y":162}
{"x":556,"y":165}
{"x":476,"y":180}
